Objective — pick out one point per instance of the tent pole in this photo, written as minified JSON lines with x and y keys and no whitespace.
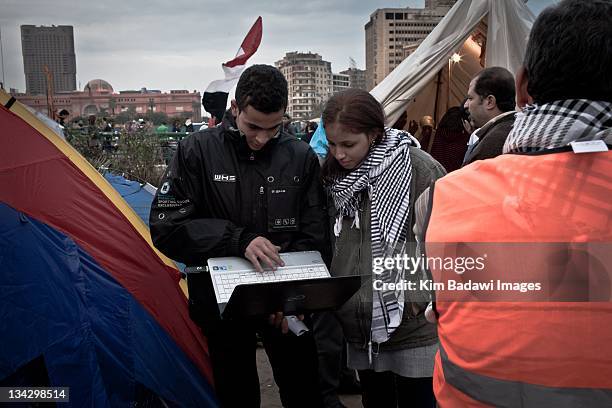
{"x":435,"y":115}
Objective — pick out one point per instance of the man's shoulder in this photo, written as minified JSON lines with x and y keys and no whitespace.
{"x":503,"y":124}
{"x":204,"y":137}
{"x":202,"y":145}
{"x":426,"y":168}
{"x":295,"y":146}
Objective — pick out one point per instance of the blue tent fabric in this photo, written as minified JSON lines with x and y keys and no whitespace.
{"x":319,"y":141}
{"x":137,"y":195}
{"x":56,"y":301}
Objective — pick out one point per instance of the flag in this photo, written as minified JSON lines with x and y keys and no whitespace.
{"x":215,"y":95}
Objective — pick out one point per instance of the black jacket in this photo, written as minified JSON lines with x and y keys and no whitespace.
{"x":492,"y":137}
{"x":218,"y":195}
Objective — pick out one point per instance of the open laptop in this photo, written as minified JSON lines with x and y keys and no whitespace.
{"x":302,"y":285}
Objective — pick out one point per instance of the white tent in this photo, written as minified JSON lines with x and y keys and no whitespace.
{"x":484,"y":33}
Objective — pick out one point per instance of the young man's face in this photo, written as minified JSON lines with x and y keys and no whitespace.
{"x":258,"y":127}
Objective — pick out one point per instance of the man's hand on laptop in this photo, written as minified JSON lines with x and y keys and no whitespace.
{"x":262,"y":251}
{"x":279,"y":320}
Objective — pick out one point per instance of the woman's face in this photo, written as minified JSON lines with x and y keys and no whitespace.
{"x":349,"y":149}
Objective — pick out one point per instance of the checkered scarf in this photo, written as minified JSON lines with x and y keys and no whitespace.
{"x":556,"y":124}
{"x":385,"y":174}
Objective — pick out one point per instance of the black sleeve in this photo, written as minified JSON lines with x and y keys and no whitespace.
{"x":313,"y":234}
{"x":179,"y":226}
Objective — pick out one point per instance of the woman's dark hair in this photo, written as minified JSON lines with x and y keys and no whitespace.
{"x":357,"y":111}
{"x":452,"y":119}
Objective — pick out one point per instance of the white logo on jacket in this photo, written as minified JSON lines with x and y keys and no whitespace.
{"x":225,"y":178}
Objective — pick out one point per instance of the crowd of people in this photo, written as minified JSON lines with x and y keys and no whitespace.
{"x":504,"y":167}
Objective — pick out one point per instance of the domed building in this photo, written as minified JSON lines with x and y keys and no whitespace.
{"x":99,"y":86}
{"x":99,"y":98}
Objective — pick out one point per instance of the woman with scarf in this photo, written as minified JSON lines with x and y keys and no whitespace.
{"x":373,"y":175}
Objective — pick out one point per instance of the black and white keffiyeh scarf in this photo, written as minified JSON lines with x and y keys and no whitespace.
{"x":557,"y":124}
{"x":385,"y":175}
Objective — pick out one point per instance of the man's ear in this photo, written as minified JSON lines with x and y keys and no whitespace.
{"x":522,"y":96}
{"x":234,"y":107}
{"x":490,"y":102}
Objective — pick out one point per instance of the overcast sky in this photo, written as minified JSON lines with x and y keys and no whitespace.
{"x":180,"y":44}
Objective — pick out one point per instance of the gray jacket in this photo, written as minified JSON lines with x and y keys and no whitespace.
{"x":353,"y":256}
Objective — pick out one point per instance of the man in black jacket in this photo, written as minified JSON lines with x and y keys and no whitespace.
{"x":246,"y":188}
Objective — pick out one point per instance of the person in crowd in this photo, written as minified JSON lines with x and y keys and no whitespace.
{"x":287,"y":126}
{"x":163,"y":128}
{"x":490,"y":102}
{"x":188,"y":126}
{"x":552,"y":184}
{"x":196,"y":216}
{"x":311,"y":128}
{"x":62,"y":116}
{"x":373,"y":175}
{"x":426,"y":133}
{"x":176,"y":126}
{"x":450,"y":144}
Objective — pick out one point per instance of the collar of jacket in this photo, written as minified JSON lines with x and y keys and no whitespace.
{"x":228,"y":124}
{"x":499,"y":118}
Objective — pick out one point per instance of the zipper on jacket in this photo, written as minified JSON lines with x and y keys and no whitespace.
{"x":259,"y":215}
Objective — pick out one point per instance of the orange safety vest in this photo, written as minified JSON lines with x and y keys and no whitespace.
{"x":525,"y":354}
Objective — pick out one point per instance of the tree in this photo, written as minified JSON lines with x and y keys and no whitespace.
{"x":157,"y":117}
{"x":137,"y":154}
{"x":140,"y":156}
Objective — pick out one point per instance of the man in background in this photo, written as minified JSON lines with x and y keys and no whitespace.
{"x":490,"y":102}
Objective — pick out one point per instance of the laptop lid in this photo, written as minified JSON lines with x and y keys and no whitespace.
{"x":290,"y":297}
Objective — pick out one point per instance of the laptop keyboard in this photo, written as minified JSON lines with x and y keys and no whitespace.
{"x":226,"y":281}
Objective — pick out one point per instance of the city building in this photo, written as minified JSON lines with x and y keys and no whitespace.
{"x":340,"y":82}
{"x":310,"y":83}
{"x":357,"y":77}
{"x":48,"y":53}
{"x":393,"y":33}
{"x":99,"y":98}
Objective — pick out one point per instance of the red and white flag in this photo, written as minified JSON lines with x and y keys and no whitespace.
{"x":215,"y":95}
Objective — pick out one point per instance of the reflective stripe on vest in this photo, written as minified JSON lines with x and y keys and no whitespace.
{"x":512,"y":394}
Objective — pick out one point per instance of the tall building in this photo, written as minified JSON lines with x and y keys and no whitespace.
{"x":393,"y":33}
{"x":357,"y":77}
{"x":310,"y":82}
{"x":340,"y":82}
{"x":51,"y":47}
